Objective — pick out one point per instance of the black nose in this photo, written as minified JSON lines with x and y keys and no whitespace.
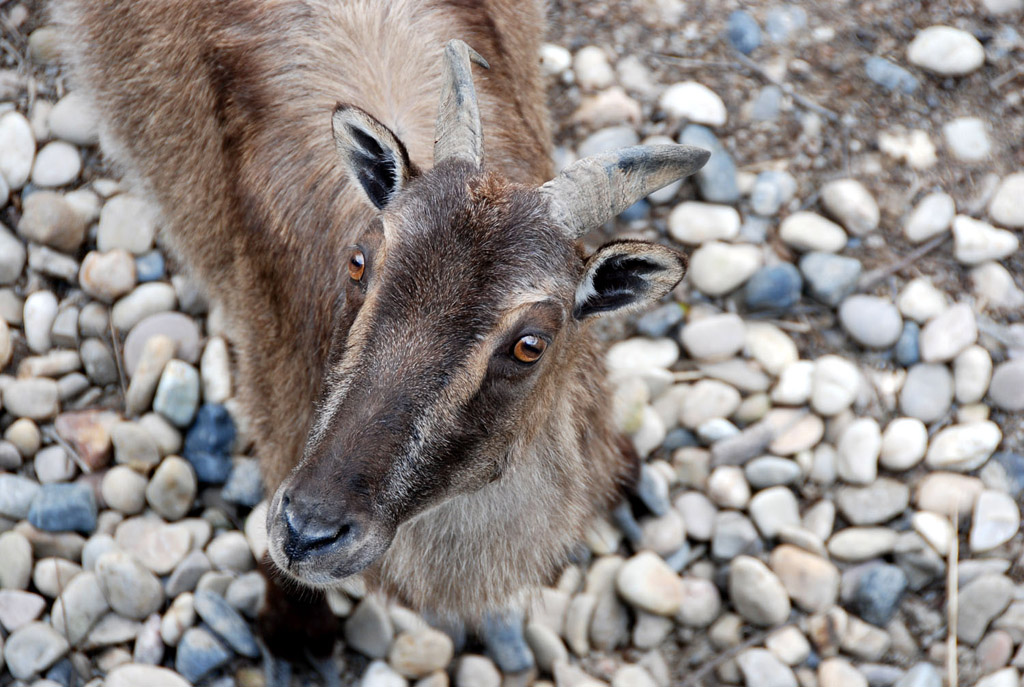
{"x":312,"y":530}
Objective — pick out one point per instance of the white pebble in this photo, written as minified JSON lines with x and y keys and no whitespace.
{"x":39,"y":313}
{"x":920,"y":301}
{"x":694,"y":222}
{"x":592,"y":69}
{"x":930,"y":217}
{"x":995,"y":521}
{"x":972,"y":371}
{"x":975,"y":241}
{"x":807,"y":231}
{"x":963,"y":447}
{"x":859,"y":447}
{"x":903,"y":444}
{"x":944,"y":337}
{"x":693,"y":102}
{"x":967,"y":138}
{"x":17,"y":149}
{"x":1007,"y":207}
{"x":834,"y":385}
{"x":57,"y":164}
{"x":716,"y":337}
{"x":946,"y":51}
{"x":717,"y":268}
{"x":851,"y":204}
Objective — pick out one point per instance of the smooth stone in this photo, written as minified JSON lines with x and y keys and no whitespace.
{"x":56,"y":164}
{"x":17,"y":149}
{"x":646,"y":582}
{"x":838,"y":672}
{"x":877,"y":503}
{"x":967,"y":138}
{"x":834,"y":385}
{"x":592,"y":68}
{"x":19,"y":608}
{"x":995,"y":521}
{"x":946,"y":51}
{"x":908,"y":347}
{"x":963,"y":447}
{"x":139,"y":675}
{"x":947,"y":493}
{"x":851,"y":204}
{"x":694,"y":222}
{"x":226,"y":623}
{"x":993,"y":286}
{"x":16,"y":552}
{"x":52,"y":575}
{"x":1007,"y":677}
{"x":789,"y":645}
{"x":150,"y":266}
{"x":861,"y":543}
{"x":167,"y":438}
{"x":782,"y":23}
{"x":98,"y":361}
{"x":130,"y":589}
{"x":701,"y":603}
{"x":693,"y":102}
{"x":12,"y":256}
{"x":972,"y":372}
{"x":177,"y":393}
{"x":810,"y":580}
{"x":181,"y":329}
{"x":607,"y":140}
{"x":830,"y":278}
{"x":156,"y":353}
{"x":1005,"y":208}
{"x":641,"y":354}
{"x":199,"y":654}
{"x":79,"y":607}
{"x":809,"y":232}
{"x":246,"y":593}
{"x":948,"y":334}
{"x":773,"y":509}
{"x":143,"y":301}
{"x":74,"y":120}
{"x":879,"y":593}
{"x":772,"y":189}
{"x":760,"y":668}
{"x":927,"y":393}
{"x":932,"y":216}
{"x":209,"y":440}
{"x":975,"y":241}
{"x":871,"y":321}
{"x":126,"y":222}
{"x":1006,"y":390}
{"x":858,"y":449}
{"x":733,"y":534}
{"x":756,"y":593}
{"x":771,"y":471}
{"x":154,"y":543}
{"x":215,"y":371}
{"x":477,"y":671}
{"x":795,"y":384}
{"x":716,"y":180}
{"x":716,"y":337}
{"x":981,"y":601}
{"x":187,"y":573}
{"x":230,"y":551}
{"x":39,"y":314}
{"x":890,"y":76}
{"x":49,"y":219}
{"x":935,"y":529}
{"x":920,"y":675}
{"x":717,"y":268}
{"x":32,"y":649}
{"x":124,"y":490}
{"x":506,"y":645}
{"x":64,"y":507}
{"x":133,"y":446}
{"x":743,"y":32}
{"x":107,"y":276}
{"x":774,"y":287}
{"x":655,"y":323}
{"x":728,"y":488}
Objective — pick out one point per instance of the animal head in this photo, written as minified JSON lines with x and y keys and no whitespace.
{"x":466,"y":301}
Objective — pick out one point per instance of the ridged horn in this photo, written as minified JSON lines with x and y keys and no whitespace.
{"x":457,"y":132}
{"x":591,"y":191}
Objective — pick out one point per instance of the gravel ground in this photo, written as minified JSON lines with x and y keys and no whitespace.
{"x":829,"y":407}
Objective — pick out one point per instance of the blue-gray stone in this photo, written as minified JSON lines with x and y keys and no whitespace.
{"x":64,"y":508}
{"x":199,"y":654}
{"x":641,"y":209}
{"x":771,"y":471}
{"x":653,"y":491}
{"x":907,"y":350}
{"x":660,"y":321}
{"x":890,"y":75}
{"x":879,"y":593}
{"x":245,"y":485}
{"x":921,"y":675}
{"x":754,"y":229}
{"x":61,"y":672}
{"x":775,"y":287}
{"x":1013,"y":466}
{"x":781,"y":22}
{"x":767,"y":104}
{"x":683,"y":556}
{"x":16,"y":495}
{"x":149,"y":266}
{"x":679,"y":438}
{"x":226,"y":623}
{"x":208,"y":443}
{"x":624,"y":519}
{"x":177,"y":393}
{"x":772,"y":189}
{"x":503,"y":636}
{"x":743,"y":32}
{"x":716,"y":181}
{"x":829,"y":278}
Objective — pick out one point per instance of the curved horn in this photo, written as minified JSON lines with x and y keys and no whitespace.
{"x":591,"y":191}
{"x":457,"y":132}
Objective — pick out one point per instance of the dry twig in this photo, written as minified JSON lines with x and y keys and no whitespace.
{"x":877,"y":275}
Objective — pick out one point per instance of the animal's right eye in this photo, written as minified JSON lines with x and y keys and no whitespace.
{"x":356,"y":265}
{"x":528,"y":349}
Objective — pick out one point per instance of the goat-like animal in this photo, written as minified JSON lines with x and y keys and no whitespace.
{"x":407,"y":297}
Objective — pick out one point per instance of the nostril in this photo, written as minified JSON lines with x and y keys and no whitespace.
{"x":310,"y":534}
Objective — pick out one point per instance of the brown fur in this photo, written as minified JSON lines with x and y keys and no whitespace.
{"x":221,"y":112}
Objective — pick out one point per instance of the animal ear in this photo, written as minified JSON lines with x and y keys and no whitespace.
{"x":627,"y":274}
{"x":371,"y":154}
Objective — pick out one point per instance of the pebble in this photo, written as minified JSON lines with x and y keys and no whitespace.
{"x":124,"y":490}
{"x":592,"y":69}
{"x":209,"y":440}
{"x":914,"y":147}
{"x":927,"y":393}
{"x":150,"y":266}
{"x":177,"y":394}
{"x":155,"y":544}
{"x":215,"y":371}
{"x":156,"y":353}
{"x":810,"y":580}
{"x":935,"y":529}
{"x":39,"y":313}
{"x":1007,"y":677}
{"x":963,"y":447}
{"x":908,"y":347}
{"x":771,"y":191}
{"x":32,"y":649}
{"x":654,"y":323}
{"x":981,"y":601}
{"x":861,"y":543}
{"x":135,"y":675}
{"x":871,"y":321}
{"x":631,"y":354}
{"x":16,"y":552}
{"x":994,"y":287}
{"x":17,"y":149}
{"x":795,"y":383}
{"x":782,"y":22}
{"x":199,"y":653}
{"x":920,"y":675}
{"x":774,"y":287}
{"x":995,"y":521}
{"x":226,"y":623}
{"x":972,"y":371}
{"x":127,"y":222}
{"x":771,"y":471}
{"x":607,"y":140}
{"x":946,"y":51}
{"x":143,"y":301}
{"x":99,"y":363}
{"x":19,"y":608}
{"x":716,"y":337}
{"x":877,"y":503}
{"x":477,"y":671}
{"x":717,"y":268}
{"x":743,"y":32}
{"x":49,"y":219}
{"x":646,"y":582}
{"x":1006,"y":390}
{"x":73,"y":119}
{"x":947,"y":492}
{"x":246,"y":593}
{"x":838,"y":672}
{"x":756,"y":593}
{"x":57,"y":164}
{"x":133,"y":446}
{"x":774,"y":509}
{"x":760,"y":668}
{"x":967,"y":138}
{"x":694,"y":222}
{"x":64,"y":507}
{"x":975,"y":241}
{"x":879,"y":592}
{"x":52,"y":575}
{"x":130,"y":589}
{"x":932,"y":216}
{"x":107,"y":276}
{"x":503,"y":635}
{"x":546,"y":646}
{"x":834,"y":385}
{"x":945,"y":336}
{"x":230,"y":551}
{"x":716,"y":180}
{"x":181,"y":329}
{"x":851,"y":205}
{"x":706,"y":400}
{"x":920,"y":301}
{"x":809,"y":232}
{"x":903,"y":443}
{"x":728,"y":488}
{"x":53,"y":464}
{"x":1005,"y":206}
{"x":79,"y":607}
{"x":12,"y":256}
{"x":830,"y":278}
{"x":890,"y":75}
{"x":693,"y":102}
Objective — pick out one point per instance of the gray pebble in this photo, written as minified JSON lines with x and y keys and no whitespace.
{"x":64,"y":507}
{"x":890,"y":75}
{"x":927,"y":393}
{"x":369,"y":630}
{"x":177,"y":394}
{"x":830,"y":278}
{"x":16,"y":495}
{"x":130,"y":589}
{"x":771,"y":471}
{"x":733,"y":534}
{"x":226,"y":623}
{"x":981,"y":601}
{"x":879,"y":593}
{"x":199,"y":654}
{"x":717,"y":179}
{"x":871,"y":321}
{"x":245,"y":484}
{"x":16,"y":553}
{"x":32,"y":649}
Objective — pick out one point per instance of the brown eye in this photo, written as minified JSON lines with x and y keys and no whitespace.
{"x":529,"y":349}
{"x":356,"y":265}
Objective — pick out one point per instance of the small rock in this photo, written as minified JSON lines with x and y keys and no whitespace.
{"x":743,"y":32}
{"x":728,"y":488}
{"x":808,"y":232}
{"x":177,"y":394}
{"x":981,"y":601}
{"x":811,"y":581}
{"x":944,"y":337}
{"x":645,"y":581}
{"x":52,"y":575}
{"x":771,"y":471}
{"x":963,"y":447}
{"x":851,"y":204}
{"x":1007,"y":677}
{"x":99,"y":364}
{"x":150,"y":266}
{"x":782,"y":22}
{"x":546,"y":646}
{"x":143,"y":301}
{"x":834,"y":385}
{"x":1005,"y":206}
{"x":871,"y":321}
{"x":130,"y":589}
{"x":861,"y":543}
{"x":838,"y":672}
{"x":733,"y":534}
{"x":921,"y":675}
{"x":155,"y":355}
{"x":890,"y":75}
{"x":877,"y":503}
{"x":772,"y":190}
{"x":914,"y":147}
{"x":215,"y":371}
{"x":967,"y":138}
{"x":48,"y":218}
{"x":774,"y":287}
{"x":608,"y":139}
{"x":39,"y":314}
{"x":181,"y":329}
{"x":994,"y":287}
{"x":716,"y":180}
{"x":16,"y":553}
{"x":908,"y":348}
{"x":126,"y":222}
{"x":246,"y":593}
{"x":33,"y":648}
{"x":199,"y":654}
{"x":773,"y":509}
{"x":64,"y":507}
{"x":57,"y":164}
{"x":718,"y":268}
{"x":946,"y":51}
{"x":830,"y":278}
{"x":927,"y":393}
{"x":477,"y":671}
{"x":972,"y":371}
{"x":947,"y":493}
{"x":506,"y":645}
{"x":716,"y":337}
{"x":107,"y":276}
{"x":756,"y":593}
{"x":135,"y":675}
{"x":706,"y":400}
{"x":124,"y":490}
{"x":154,"y":543}
{"x":694,"y":102}
{"x":133,"y":446}
{"x":760,"y":668}
{"x":635,"y":354}
{"x":74,"y":120}
{"x":655,"y":323}
{"x":879,"y":593}
{"x":226,"y":623}
{"x":79,"y":606}
{"x":592,"y":69}
{"x":930,"y":217}
{"x":19,"y":608}
{"x":995,"y":521}
{"x":230,"y":551}
{"x":696,"y":223}
{"x":17,"y":149}
{"x":1007,"y":388}
{"x":209,"y":440}
{"x":975,"y":241}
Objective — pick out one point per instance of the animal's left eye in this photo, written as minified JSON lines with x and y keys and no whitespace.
{"x":529,"y":349}
{"x":356,"y":265}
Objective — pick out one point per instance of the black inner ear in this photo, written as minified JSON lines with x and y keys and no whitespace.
{"x":618,"y":281}
{"x":376,"y":167}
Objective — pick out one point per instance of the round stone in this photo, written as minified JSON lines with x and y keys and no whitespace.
{"x":706,"y":400}
{"x":592,"y":69}
{"x":230,"y":551}
{"x":774,"y":509}
{"x":226,"y":623}
{"x":646,"y":582}
{"x":761,"y":668}
{"x":756,"y":593}
{"x":920,"y":301}
{"x":199,"y":653}
{"x":994,"y":288}
{"x":127,"y":222}
{"x":17,"y":149}
{"x":963,"y":447}
{"x":861,"y":543}
{"x":215,"y":371}
{"x":49,"y":219}
{"x":851,"y":204}
{"x":774,"y":287}
{"x":859,"y":446}
{"x":946,"y":51}
{"x":32,"y":649}
{"x":701,"y":603}
{"x":16,"y":553}
{"x":930,"y":217}
{"x":130,"y":589}
{"x":871,"y":321}
{"x":811,"y":581}
{"x":975,"y":242}
{"x":830,"y":278}
{"x":172,"y":488}
{"x":972,"y":371}
{"x":693,"y":102}
{"x":717,"y":268}
{"x":641,"y":353}
{"x":79,"y":606}
{"x":995,"y":521}
{"x":107,"y":276}
{"x":967,"y":138}
{"x":417,"y":654}
{"x":1006,"y":208}
{"x":834,"y":385}
{"x":181,"y":329}
{"x":877,"y":503}
{"x":927,"y":393}
{"x":57,"y":164}
{"x":124,"y":490}
{"x":716,"y":337}
{"x":945,"y":336}
{"x":903,"y":444}
{"x":143,"y":301}
{"x":693,"y":222}
{"x":809,"y":232}
{"x":1007,"y":388}
{"x":177,"y":394}
{"x":136,"y":674}
{"x":39,"y":312}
